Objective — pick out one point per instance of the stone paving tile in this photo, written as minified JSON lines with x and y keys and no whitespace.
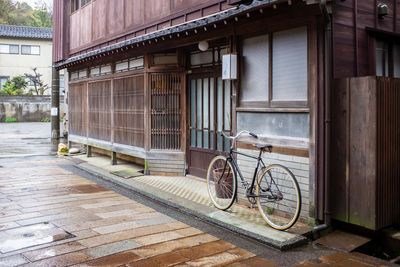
{"x":132,"y":224}
{"x":13,"y":260}
{"x":112,"y":248}
{"x":41,"y":219}
{"x":158,"y":238}
{"x":214,"y":260}
{"x":160,"y":260}
{"x":52,"y":251}
{"x":127,"y":234}
{"x":169,"y":246}
{"x":112,"y":260}
{"x":204,"y":250}
{"x":189,"y":231}
{"x":19,"y":217}
{"x":253,"y":262}
{"x":8,"y":225}
{"x":62,"y":260}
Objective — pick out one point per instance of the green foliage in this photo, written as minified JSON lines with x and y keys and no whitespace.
{"x":22,"y":14}
{"x":11,"y":120}
{"x":45,"y":120}
{"x":15,"y":86}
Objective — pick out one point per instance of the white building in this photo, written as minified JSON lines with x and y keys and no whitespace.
{"x":24,"y":48}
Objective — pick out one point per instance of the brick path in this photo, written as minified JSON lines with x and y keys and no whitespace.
{"x":52,"y":217}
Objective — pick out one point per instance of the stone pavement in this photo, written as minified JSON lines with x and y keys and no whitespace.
{"x":190,"y":194}
{"x":52,"y":217}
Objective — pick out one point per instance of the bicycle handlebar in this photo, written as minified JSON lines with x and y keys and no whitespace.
{"x":233,"y":138}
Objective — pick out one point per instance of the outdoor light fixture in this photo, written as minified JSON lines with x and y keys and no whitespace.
{"x":382,"y":10}
{"x":203,"y":45}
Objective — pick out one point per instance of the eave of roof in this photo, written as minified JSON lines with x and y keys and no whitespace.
{"x":13,"y":31}
{"x":184,"y":27}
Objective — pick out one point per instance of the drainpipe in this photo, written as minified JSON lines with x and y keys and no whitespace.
{"x":327,"y":119}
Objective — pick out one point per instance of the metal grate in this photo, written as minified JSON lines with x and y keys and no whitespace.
{"x":166,"y":111}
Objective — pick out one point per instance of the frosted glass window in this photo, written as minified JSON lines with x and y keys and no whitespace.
{"x":289,"y":65}
{"x":382,"y":58}
{"x":212,"y":104}
{"x":105,"y":69}
{"x":227,"y":111}
{"x":82,"y":74}
{"x":396,"y":61}
{"x":74,"y":75}
{"x":136,"y":63}
{"x":35,"y":50}
{"x":165,"y":59}
{"x":255,"y":68}
{"x":193,"y":112}
{"x":120,"y":66}
{"x":205,"y":103}
{"x":219,"y":104}
{"x":201,"y":58}
{"x":4,"y":49}
{"x":95,"y":71}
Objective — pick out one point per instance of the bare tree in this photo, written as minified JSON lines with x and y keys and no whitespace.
{"x":39,"y":87}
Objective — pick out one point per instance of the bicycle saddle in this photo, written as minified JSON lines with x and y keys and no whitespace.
{"x":263,"y":146}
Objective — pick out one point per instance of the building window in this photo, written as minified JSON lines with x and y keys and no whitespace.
{"x":274,"y":69}
{"x":3,"y":80}
{"x":30,"y":50}
{"x":9,"y":49}
{"x":76,"y":4}
{"x":387,"y":58}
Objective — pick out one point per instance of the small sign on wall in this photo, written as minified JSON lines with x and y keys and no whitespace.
{"x":229,"y":67}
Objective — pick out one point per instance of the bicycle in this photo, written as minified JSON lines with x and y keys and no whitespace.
{"x":276,"y":191}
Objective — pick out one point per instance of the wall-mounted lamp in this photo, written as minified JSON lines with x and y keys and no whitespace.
{"x":203,"y":45}
{"x":382,"y":10}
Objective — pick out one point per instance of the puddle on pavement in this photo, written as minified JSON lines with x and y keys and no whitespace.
{"x":86,"y":189}
{"x":32,"y":235}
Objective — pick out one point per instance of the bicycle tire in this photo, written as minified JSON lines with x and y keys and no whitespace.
{"x":278,"y":197}
{"x":221,"y":182}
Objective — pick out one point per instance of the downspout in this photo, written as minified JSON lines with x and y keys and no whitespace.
{"x":327,"y":118}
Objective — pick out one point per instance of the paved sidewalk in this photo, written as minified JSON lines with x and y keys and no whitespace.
{"x":190,"y":194}
{"x":52,"y":217}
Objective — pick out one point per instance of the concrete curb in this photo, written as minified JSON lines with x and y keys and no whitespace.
{"x":297,"y":241}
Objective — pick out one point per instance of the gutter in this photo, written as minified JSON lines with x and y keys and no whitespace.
{"x":327,"y":119}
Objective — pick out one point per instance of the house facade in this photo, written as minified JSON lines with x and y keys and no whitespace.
{"x":146,"y":79}
{"x":24,"y":48}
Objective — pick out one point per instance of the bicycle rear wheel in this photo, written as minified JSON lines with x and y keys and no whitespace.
{"x":221,"y":182}
{"x":278,"y":197}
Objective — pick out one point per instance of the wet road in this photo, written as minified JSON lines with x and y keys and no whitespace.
{"x":52,"y":214}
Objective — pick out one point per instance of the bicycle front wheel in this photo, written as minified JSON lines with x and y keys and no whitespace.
{"x":278,"y":197}
{"x":221,"y":182}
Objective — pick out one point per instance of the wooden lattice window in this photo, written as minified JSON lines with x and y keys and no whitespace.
{"x":166,"y":111}
{"x":100,"y":110}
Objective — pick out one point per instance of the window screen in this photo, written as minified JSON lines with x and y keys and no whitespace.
{"x":289,"y":65}
{"x":255,"y":68}
{"x":14,"y":49}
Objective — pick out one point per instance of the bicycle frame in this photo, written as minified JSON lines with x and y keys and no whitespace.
{"x":259,"y":167}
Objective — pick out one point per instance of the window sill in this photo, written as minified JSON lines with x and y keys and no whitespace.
{"x":273,"y":110}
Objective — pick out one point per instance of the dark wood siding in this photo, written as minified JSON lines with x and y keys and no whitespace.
{"x":77,"y":109}
{"x":365,"y":159}
{"x":353,"y":49}
{"x":128,"y":97}
{"x":103,"y":22}
{"x":60,"y":32}
{"x":99,"y":100}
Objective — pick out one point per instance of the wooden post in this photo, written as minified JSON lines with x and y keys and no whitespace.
{"x":113,"y":158}
{"x":88,"y":151}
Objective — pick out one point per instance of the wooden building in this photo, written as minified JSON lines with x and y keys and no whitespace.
{"x":140,"y":85}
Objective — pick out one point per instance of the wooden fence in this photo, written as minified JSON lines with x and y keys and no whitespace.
{"x":365,"y":172}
